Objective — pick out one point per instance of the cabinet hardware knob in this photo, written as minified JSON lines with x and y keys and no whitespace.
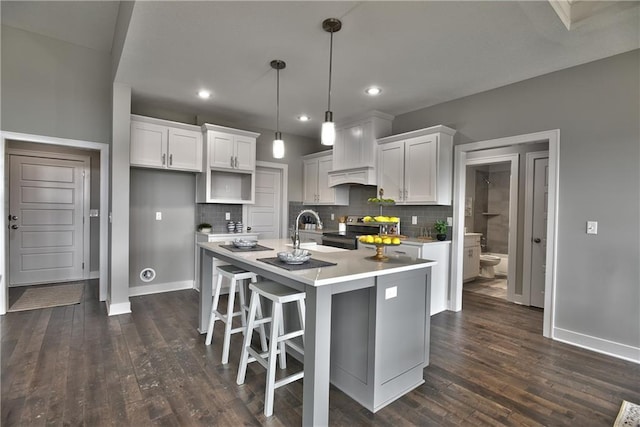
{"x":537,"y":240}
{"x":231,"y":161}
{"x":164,"y":159}
{"x":237,"y":163}
{"x":170,"y":159}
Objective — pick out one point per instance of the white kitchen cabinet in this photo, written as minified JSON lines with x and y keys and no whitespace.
{"x":208,"y":237}
{"x":163,"y":144}
{"x":316,"y":190}
{"x":415,"y":168}
{"x":354,"y":151}
{"x":229,"y":160}
{"x":471,"y":257}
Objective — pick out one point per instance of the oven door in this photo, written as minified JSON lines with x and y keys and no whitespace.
{"x":339,"y":242}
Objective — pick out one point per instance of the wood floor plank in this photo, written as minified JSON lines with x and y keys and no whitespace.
{"x":490,"y":366}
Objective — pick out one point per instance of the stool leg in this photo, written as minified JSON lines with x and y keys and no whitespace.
{"x":213,"y":317}
{"x":281,"y":344}
{"x":301,"y":315}
{"x":241,"y":293}
{"x":261,"y":330}
{"x":271,"y":369}
{"x":229,"y":323}
{"x":244,"y":356}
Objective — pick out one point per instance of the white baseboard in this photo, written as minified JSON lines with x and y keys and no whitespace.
{"x":610,"y":348}
{"x":135,"y":291}
{"x":94,"y":275}
{"x":116,"y":309}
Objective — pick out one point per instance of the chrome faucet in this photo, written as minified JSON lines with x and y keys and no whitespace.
{"x":296,"y":235}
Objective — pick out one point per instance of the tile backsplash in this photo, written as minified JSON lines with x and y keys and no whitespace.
{"x":214,"y":214}
{"x":358,"y":195}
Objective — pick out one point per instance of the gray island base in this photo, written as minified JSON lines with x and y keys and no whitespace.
{"x":366,"y":323}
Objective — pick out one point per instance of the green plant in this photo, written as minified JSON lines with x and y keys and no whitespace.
{"x":440,"y":226}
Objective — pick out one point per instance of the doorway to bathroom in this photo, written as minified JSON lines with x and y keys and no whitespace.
{"x":490,"y":224}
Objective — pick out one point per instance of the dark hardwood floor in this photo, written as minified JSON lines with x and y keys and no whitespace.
{"x":490,"y":365}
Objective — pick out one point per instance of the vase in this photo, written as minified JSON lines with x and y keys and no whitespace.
{"x":441,"y":237}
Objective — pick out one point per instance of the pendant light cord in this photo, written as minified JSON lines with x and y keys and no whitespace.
{"x":330,"y":65}
{"x":278,"y":101}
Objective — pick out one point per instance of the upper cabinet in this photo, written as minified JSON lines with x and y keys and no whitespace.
{"x":316,"y":190}
{"x":164,"y":144}
{"x":354,"y":152}
{"x":229,"y":163}
{"x":416,"y":168}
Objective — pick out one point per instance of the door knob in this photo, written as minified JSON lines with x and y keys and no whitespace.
{"x":13,"y":218}
{"x":536,"y":240}
{"x":14,"y":227}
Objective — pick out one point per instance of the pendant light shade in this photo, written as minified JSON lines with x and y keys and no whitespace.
{"x":328,"y":136}
{"x":278,"y":143}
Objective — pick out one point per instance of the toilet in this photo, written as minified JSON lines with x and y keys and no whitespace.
{"x":487,"y":262}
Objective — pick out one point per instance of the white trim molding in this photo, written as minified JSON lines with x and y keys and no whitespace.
{"x":599,"y":345}
{"x":460,"y":162}
{"x":117,"y":309}
{"x":135,"y":291}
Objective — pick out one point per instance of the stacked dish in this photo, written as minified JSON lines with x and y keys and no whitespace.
{"x":297,"y":256}
{"x":245,"y":244}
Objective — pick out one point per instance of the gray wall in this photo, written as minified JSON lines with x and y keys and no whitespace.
{"x":167,"y":246}
{"x":54,"y":88}
{"x":596,"y":107}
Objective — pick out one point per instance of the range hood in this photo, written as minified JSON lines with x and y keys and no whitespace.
{"x":364,"y":175}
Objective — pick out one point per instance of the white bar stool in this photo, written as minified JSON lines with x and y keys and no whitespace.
{"x":235,"y":275}
{"x":279,"y":295}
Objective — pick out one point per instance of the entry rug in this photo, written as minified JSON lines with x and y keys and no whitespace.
{"x":49,"y":296}
{"x":629,"y":415}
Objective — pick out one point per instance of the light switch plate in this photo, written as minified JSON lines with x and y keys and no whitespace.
{"x":94,"y":213}
{"x":333,"y":216}
{"x":158,"y":216}
{"x":227,"y":216}
{"x":414,"y":220}
{"x":592,"y":227}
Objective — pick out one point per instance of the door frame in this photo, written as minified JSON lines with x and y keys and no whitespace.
{"x":284,"y":202}
{"x":86,"y":180}
{"x":512,"y":243}
{"x":552,"y":137}
{"x":528,"y":223}
{"x":104,"y":205}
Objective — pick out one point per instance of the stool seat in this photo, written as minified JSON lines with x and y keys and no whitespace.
{"x":278,"y":294}
{"x":236,"y":277}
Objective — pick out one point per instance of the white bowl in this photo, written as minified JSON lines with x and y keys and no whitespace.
{"x":242,"y":243}
{"x":297,"y":256}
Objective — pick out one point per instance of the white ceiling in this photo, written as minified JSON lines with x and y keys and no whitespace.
{"x":420,"y":53}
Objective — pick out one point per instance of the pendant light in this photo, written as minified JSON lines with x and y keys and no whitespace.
{"x":278,"y":143}
{"x":328,"y":136}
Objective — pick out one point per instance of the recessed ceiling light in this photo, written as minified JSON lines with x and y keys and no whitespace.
{"x":204,"y":94}
{"x":373,"y":91}
{"x":304,"y":118}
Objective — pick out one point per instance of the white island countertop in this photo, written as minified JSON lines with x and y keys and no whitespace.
{"x":351,"y":264}
{"x":390,"y":298}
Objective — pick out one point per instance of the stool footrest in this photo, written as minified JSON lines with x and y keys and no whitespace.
{"x":290,"y":335}
{"x":296,"y":347}
{"x":288,"y":379}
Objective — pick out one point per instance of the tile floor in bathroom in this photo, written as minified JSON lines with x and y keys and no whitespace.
{"x":496,"y":287}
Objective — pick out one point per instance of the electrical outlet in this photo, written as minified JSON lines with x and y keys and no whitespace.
{"x":592,"y":227}
{"x":158,"y":216}
{"x":450,"y":221}
{"x":227,"y":216}
{"x":414,"y":220}
{"x":333,"y":217}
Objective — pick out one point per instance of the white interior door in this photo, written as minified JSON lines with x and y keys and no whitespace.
{"x":265,"y":216}
{"x":46,"y":230}
{"x":539,"y":230}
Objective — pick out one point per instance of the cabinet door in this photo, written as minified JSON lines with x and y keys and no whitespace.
{"x":221,"y":152}
{"x":339,"y":154}
{"x":325,"y":193}
{"x":185,"y":150}
{"x":353,"y":141}
{"x":391,"y":170}
{"x":420,"y":169}
{"x":245,"y":152}
{"x":310,"y":177}
{"x":148,"y":145}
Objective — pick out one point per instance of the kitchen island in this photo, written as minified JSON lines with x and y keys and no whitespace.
{"x":366,"y":322}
